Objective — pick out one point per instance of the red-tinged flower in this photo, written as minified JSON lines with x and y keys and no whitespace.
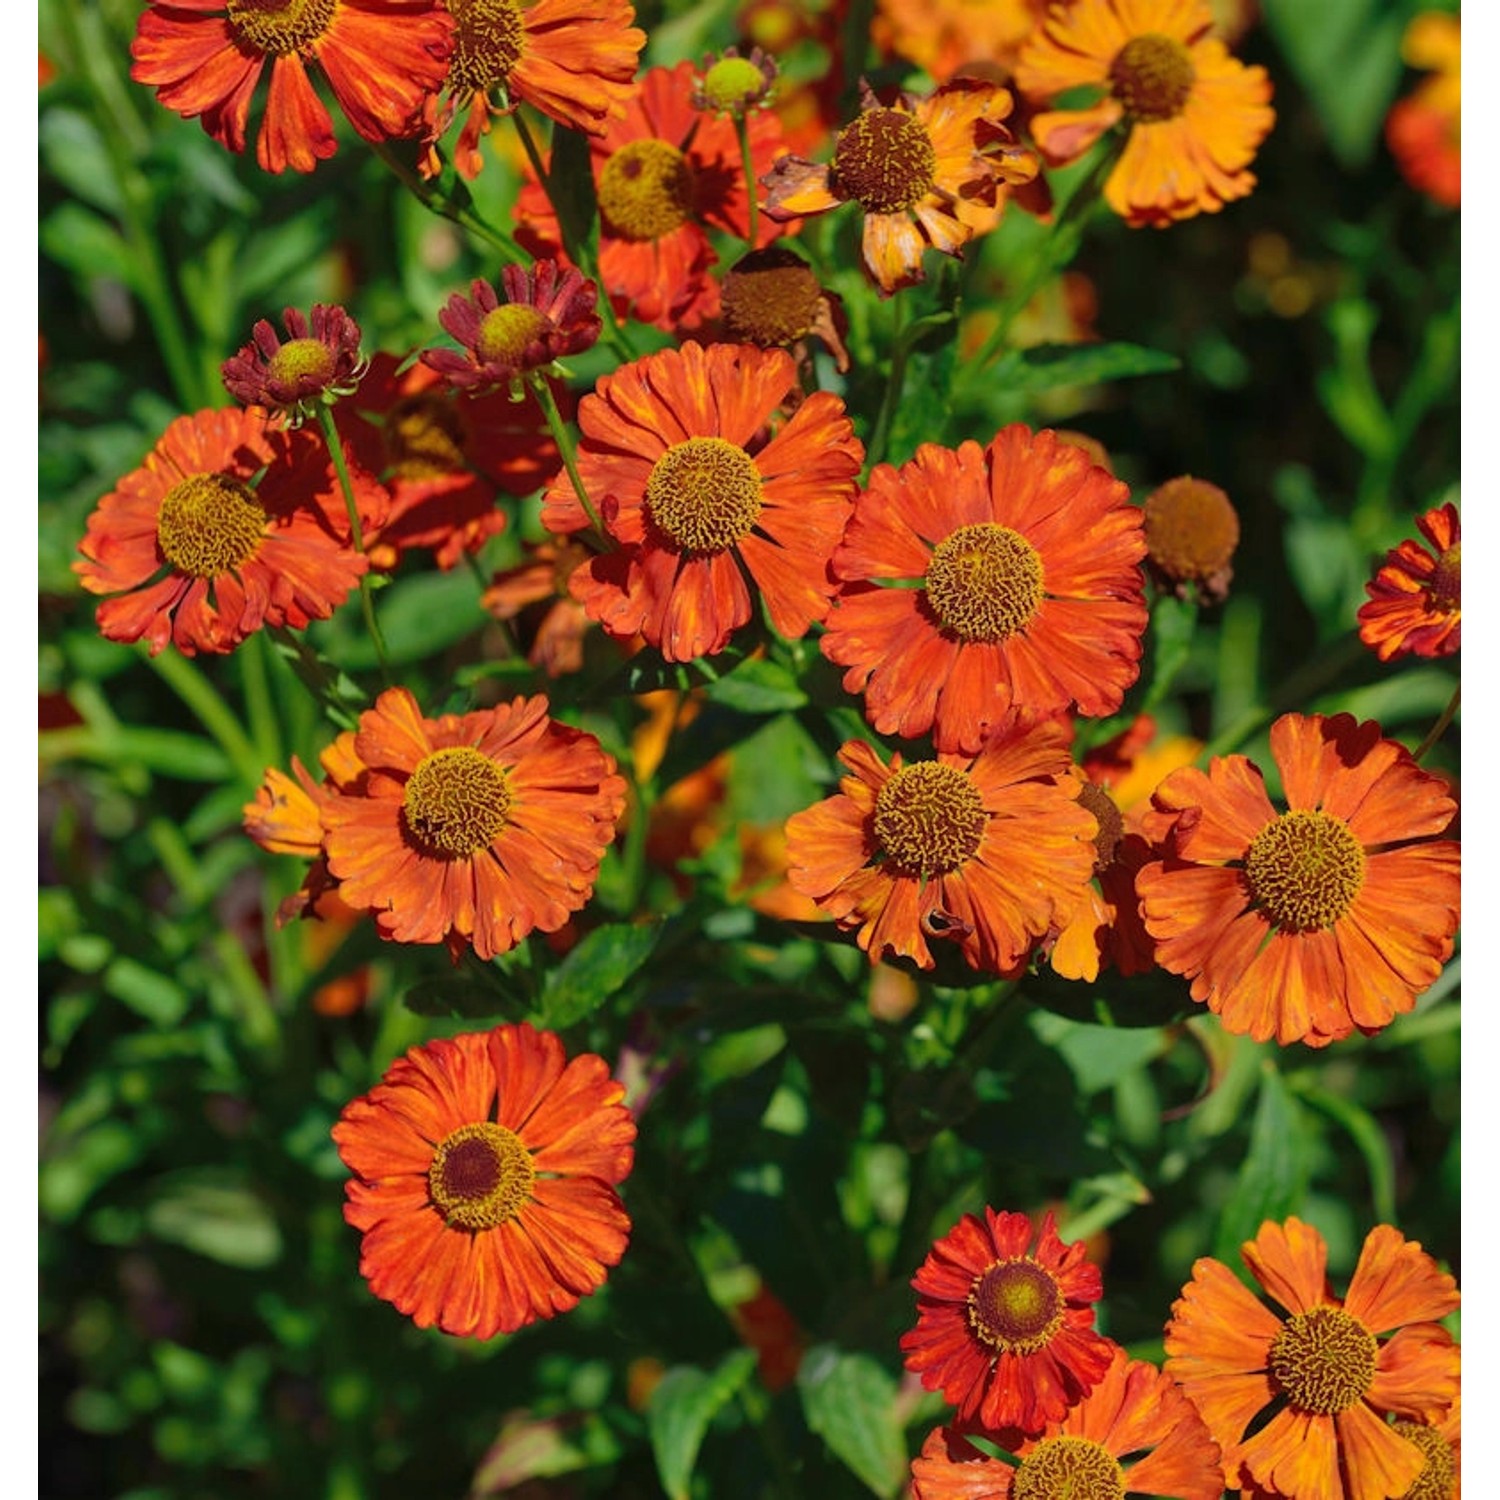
{"x":766,"y":1324}
{"x":1005,"y":1329}
{"x":230,"y":524}
{"x":664,"y":175}
{"x":984,"y":851}
{"x":574,"y":60}
{"x":319,"y":363}
{"x":1192,"y":530}
{"x":485,"y":1168}
{"x":1195,"y":116}
{"x":1424,"y":130}
{"x":473,"y":828}
{"x":708,"y":494}
{"x":1324,"y":1369}
{"x":1027,"y":591}
{"x":1415,"y":596}
{"x":382,"y":59}
{"x":547,"y":312}
{"x":1308,"y":923}
{"x":542,"y":580}
{"x":1134,"y":1433}
{"x":925,"y":171}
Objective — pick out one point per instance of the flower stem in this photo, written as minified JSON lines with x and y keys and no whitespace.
{"x":1437,"y":731}
{"x":459,"y":210}
{"x":564,"y":440}
{"x":742,"y":129}
{"x":211,"y":711}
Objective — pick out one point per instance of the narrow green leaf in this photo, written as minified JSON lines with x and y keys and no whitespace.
{"x":1274,"y":1176}
{"x":86,"y":244}
{"x":224,"y":1222}
{"x":156,"y":996}
{"x":571,"y":185}
{"x":1364,"y":1130}
{"x":682,"y":1406}
{"x":849,"y":1400}
{"x":1046,"y":366}
{"x":757,"y":687}
{"x":595,"y":969}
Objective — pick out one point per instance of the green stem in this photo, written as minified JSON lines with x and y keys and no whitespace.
{"x":742,"y":129}
{"x":260,"y":707}
{"x":564,"y":440}
{"x":458,"y":212}
{"x":891,"y":397}
{"x":1437,"y":731}
{"x":211,"y":711}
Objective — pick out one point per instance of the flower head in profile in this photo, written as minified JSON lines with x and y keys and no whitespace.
{"x":319,"y":362}
{"x":381,"y":58}
{"x":1191,"y":533}
{"x":485,"y":1168}
{"x":733,"y":85}
{"x":471,"y":829}
{"x":1424,"y":129}
{"x":1307,"y":923}
{"x":925,"y":171}
{"x":1327,"y":1371}
{"x":535,"y":592}
{"x":1415,"y":600}
{"x":1194,"y":115}
{"x":1005,"y":1326}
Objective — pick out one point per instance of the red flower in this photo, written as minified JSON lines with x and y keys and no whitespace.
{"x":321,"y":361}
{"x":1415,"y":597}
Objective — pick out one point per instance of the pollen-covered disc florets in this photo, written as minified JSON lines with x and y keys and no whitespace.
{"x":456,"y":802}
{"x":319,"y":363}
{"x":645,"y":191}
{"x":209,"y":524}
{"x":984,"y":582}
{"x":1152,"y":76}
{"x":1192,"y":530}
{"x":770,"y":297}
{"x":885,"y":160}
{"x":481,"y":1176}
{"x":279,"y":27}
{"x":732,"y":84}
{"x":929,"y":817}
{"x":1305,"y":869}
{"x":704,"y":494}
{"x":1324,"y":1360}
{"x":488,"y":39}
{"x":1072,"y":1466}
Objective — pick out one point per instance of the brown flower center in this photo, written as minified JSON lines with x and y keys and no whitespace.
{"x":424,"y":437}
{"x":1444,"y":591}
{"x":1438,"y":1479}
{"x":704,"y":494}
{"x":302,"y":361}
{"x":488,"y":40}
{"x":732,"y":83}
{"x":507,"y":330}
{"x":770,"y":298}
{"x":885,"y":160}
{"x":1068,"y":1468}
{"x":1015,"y":1307}
{"x":985,"y":582}
{"x":929,"y":818}
{"x":481,"y":1176}
{"x":1191,"y":529}
{"x":1323,"y":1359}
{"x":645,"y":191}
{"x":209,"y":524}
{"x":1152,"y":76}
{"x":1111,"y":824}
{"x":1306,"y":868}
{"x":279,"y":26}
{"x":457,"y":801}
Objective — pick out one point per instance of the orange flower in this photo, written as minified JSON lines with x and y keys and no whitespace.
{"x":1332,"y":1378}
{"x":484,"y":1180}
{"x":200,"y":547}
{"x":382,"y":59}
{"x":557,"y":642}
{"x":984,"y":851}
{"x":1005,"y":1331}
{"x":676,"y":446}
{"x":571,"y":59}
{"x":1424,"y":129}
{"x":472,"y":828}
{"x":1195,"y":114}
{"x":1134,"y":1433}
{"x":1415,"y":595}
{"x":925,"y":171}
{"x":1305,"y":924}
{"x":1030,"y":592}
{"x":940,"y":36}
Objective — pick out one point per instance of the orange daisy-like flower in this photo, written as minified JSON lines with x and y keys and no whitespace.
{"x":1323,"y":1368}
{"x":1195,"y":115}
{"x":1030,"y":595}
{"x":925,"y":172}
{"x":557,"y":623}
{"x":940,"y":36}
{"x":472,"y":828}
{"x":1004,"y":1330}
{"x":985,"y":851}
{"x":1309,"y":923}
{"x":1424,"y":130}
{"x":1134,"y":1433}
{"x":1415,"y":595}
{"x":200,"y":547}
{"x":484,"y":1180}
{"x":706,"y":494}
{"x":382,"y":58}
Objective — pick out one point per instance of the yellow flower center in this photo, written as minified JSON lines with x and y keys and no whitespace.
{"x":507,"y":330}
{"x":488,"y":40}
{"x":424,"y":436}
{"x":302,"y":359}
{"x":1305,"y":869}
{"x":1323,"y":1359}
{"x":770,"y":298}
{"x":1068,"y":1468}
{"x":1444,"y":591}
{"x":1438,"y":1479}
{"x":279,"y":26}
{"x":704,"y":494}
{"x":1111,"y":824}
{"x":209,"y":524}
{"x":645,"y":191}
{"x":480,"y":1177}
{"x":929,"y":818}
{"x":1191,"y":529}
{"x":457,"y":801}
{"x":885,"y":160}
{"x":984,"y":582}
{"x":1015,"y":1307}
{"x":1152,"y":76}
{"x":732,"y":83}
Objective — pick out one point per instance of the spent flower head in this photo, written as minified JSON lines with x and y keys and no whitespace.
{"x":319,"y":362}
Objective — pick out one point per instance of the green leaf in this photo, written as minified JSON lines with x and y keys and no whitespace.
{"x":226,"y":1223}
{"x":849,"y":1400}
{"x":464,"y":995}
{"x":1099,"y":1056}
{"x":1364,"y":1130}
{"x":1046,"y":366}
{"x":156,"y":996}
{"x":1173,"y":623}
{"x":757,"y":687}
{"x":418,"y":616}
{"x":570,"y":184}
{"x":595,"y":969}
{"x":86,"y":244}
{"x":1273,"y":1179}
{"x":682,"y":1406}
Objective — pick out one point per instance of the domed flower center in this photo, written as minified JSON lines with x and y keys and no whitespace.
{"x":770,"y":298}
{"x":1015,"y":1307}
{"x":480,"y":1176}
{"x":704,"y":494}
{"x":303,"y":365}
{"x":984,"y":582}
{"x":1323,"y":1359}
{"x":732,"y":83}
{"x":457,"y":801}
{"x":1068,"y":1468}
{"x":1191,"y":529}
{"x":929,"y":818}
{"x":1306,"y":868}
{"x":645,"y":191}
{"x":424,"y":437}
{"x":1111,"y":824}
{"x":1438,"y":1479}
{"x":1444,"y":589}
{"x":488,"y":39}
{"x":209,"y":524}
{"x":279,"y":26}
{"x":885,"y":160}
{"x":1152,"y":76}
{"x":507,"y":331}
